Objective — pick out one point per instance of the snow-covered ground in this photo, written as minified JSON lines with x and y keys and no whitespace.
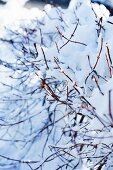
{"x":56,"y":87}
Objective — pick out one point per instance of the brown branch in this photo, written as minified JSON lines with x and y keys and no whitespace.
{"x":109,"y":67}
{"x":110,"y":111}
{"x":57,"y":47}
{"x":18,"y":160}
{"x":98,"y":57}
{"x":100,"y":26}
{"x":49,"y":90}
{"x":86,"y":101}
{"x":96,"y":81}
{"x":69,"y":39}
{"x":108,"y":52}
{"x":67,"y":89}
{"x":36,"y":49}
{"x":62,"y":71}
{"x":45,"y":58}
{"x":41,"y":37}
{"x":110,"y":22}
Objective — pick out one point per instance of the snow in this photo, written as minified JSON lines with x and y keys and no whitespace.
{"x":105,"y":2}
{"x":14,"y":10}
{"x":56,"y":87}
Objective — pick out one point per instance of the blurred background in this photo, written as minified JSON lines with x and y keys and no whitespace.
{"x":41,"y":3}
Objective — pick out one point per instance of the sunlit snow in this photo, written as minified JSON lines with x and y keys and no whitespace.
{"x":56,"y":85}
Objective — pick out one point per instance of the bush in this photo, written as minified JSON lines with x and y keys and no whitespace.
{"x":56,"y":110}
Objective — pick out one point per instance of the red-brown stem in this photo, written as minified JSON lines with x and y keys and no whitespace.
{"x":109,"y":67}
{"x":108,"y":52}
{"x":96,"y":81}
{"x":98,"y":57}
{"x":110,"y":111}
{"x":45,"y":58}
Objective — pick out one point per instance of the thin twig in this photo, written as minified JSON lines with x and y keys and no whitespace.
{"x":98,"y":57}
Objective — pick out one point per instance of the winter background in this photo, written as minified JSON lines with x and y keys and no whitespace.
{"x":56,"y":88}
